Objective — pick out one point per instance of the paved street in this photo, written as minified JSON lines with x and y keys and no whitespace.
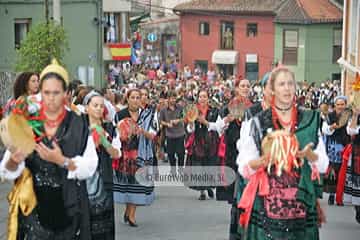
{"x":178,"y":215}
{"x":4,"y":189}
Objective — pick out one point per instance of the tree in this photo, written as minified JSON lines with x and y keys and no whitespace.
{"x":43,"y":42}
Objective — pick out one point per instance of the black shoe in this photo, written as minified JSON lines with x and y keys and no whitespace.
{"x":357,"y":216}
{"x":210,"y":193}
{"x":331,"y":200}
{"x":126,"y":218}
{"x":132,"y":224}
{"x":202,"y":197}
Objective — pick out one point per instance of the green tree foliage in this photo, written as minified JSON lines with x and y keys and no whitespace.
{"x":43,"y":42}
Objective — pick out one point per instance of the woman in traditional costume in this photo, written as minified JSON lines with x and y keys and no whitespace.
{"x":136,"y":134}
{"x":352,"y":165}
{"x":232,"y":134}
{"x":49,"y":200}
{"x":26,"y":84}
{"x":229,"y":125}
{"x":336,"y":139}
{"x":280,"y":198}
{"x":150,"y":110}
{"x":99,"y":186}
{"x":202,"y":144}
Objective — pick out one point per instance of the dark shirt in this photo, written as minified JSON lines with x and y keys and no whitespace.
{"x":166,"y":115}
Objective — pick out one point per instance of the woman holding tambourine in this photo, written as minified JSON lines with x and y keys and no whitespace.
{"x":49,"y":199}
{"x":281,"y":156}
{"x":202,"y":144}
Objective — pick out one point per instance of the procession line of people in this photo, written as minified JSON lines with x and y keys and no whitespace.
{"x":89,"y":147}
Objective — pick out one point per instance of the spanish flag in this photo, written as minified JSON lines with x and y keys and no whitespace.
{"x":120,"y":51}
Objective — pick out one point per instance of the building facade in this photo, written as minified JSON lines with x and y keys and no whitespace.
{"x":308,"y":39}
{"x":84,"y":35}
{"x":160,"y":34}
{"x":350,"y":58}
{"x":235,"y":37}
{"x":89,"y":24}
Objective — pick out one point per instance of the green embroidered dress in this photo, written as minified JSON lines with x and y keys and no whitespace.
{"x":289,"y":210}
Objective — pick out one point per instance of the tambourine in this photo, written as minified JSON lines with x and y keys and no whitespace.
{"x":16,"y":133}
{"x":127,"y":128}
{"x":237,"y":108}
{"x":281,"y":148}
{"x":344,"y":118}
{"x":190,"y":113}
{"x":355,"y":99}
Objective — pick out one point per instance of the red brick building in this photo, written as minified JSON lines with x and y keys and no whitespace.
{"x":235,"y":36}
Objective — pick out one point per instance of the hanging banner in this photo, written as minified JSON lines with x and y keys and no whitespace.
{"x":120,"y":51}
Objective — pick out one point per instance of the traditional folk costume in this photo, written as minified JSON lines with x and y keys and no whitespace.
{"x":49,"y":201}
{"x":240,"y":182}
{"x":99,"y":186}
{"x":228,"y":148}
{"x":137,"y":152}
{"x":62,"y":210}
{"x":227,"y":154}
{"x":253,"y":110}
{"x":202,"y":145}
{"x":280,"y":207}
{"x":336,"y":140}
{"x":350,"y":172}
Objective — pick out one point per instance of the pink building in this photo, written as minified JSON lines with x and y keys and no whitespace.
{"x":235,"y":36}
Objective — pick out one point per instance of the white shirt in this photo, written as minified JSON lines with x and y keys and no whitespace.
{"x":248,"y":152}
{"x":352,"y":131}
{"x":86,"y":164}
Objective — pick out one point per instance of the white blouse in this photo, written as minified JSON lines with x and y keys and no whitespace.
{"x":352,"y":131}
{"x":116,"y":142}
{"x":85,"y":165}
{"x":326,"y":129}
{"x":248,"y":151}
{"x":219,"y":126}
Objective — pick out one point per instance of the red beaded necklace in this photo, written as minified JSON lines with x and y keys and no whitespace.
{"x":276,"y":119}
{"x":53,"y":123}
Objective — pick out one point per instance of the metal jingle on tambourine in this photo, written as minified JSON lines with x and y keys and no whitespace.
{"x":16,"y":133}
{"x":191,"y":113}
{"x":355,"y":99}
{"x":237,"y":113}
{"x":344,"y":117}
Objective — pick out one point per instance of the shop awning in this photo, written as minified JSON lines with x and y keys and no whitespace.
{"x":224,"y":57}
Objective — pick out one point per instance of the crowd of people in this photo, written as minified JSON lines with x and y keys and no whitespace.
{"x":90,"y":144}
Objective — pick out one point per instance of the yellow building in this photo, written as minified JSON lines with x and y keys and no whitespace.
{"x":350,"y":60}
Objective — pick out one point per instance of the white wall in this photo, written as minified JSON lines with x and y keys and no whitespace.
{"x":116,"y":5}
{"x":164,"y":6}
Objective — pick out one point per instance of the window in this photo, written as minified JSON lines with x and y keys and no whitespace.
{"x":204,"y":28}
{"x":202,"y":64}
{"x":252,"y":67}
{"x":290,"y":47}
{"x":337,"y":42}
{"x":21,"y":28}
{"x":227,"y":35}
{"x":336,"y":76}
{"x":116,"y":29}
{"x":251,"y":30}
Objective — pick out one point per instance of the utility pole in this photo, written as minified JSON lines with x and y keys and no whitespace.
{"x":57,"y":11}
{"x":46,"y":3}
